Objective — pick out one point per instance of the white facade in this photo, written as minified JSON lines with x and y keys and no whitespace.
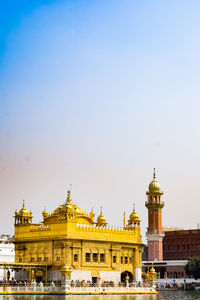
{"x":110,"y":276}
{"x":104,"y":275}
{"x":138,"y":274}
{"x":7,"y":254}
{"x":81,"y":275}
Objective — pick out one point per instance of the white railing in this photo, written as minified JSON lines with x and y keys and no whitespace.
{"x":74,"y":290}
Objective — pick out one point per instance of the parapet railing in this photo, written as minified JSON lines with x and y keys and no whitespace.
{"x":111,"y":232}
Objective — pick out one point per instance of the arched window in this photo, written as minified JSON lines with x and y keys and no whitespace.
{"x":87,"y":257}
{"x":75,"y":257}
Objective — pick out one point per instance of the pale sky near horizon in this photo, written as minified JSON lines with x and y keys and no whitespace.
{"x":96,"y":94}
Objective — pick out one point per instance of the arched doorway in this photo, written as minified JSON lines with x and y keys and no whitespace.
{"x":124,"y":275}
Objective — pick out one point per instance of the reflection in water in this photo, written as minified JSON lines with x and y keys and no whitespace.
{"x":82,"y":297}
{"x":167,"y":295}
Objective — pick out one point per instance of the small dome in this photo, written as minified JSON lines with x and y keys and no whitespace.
{"x":152,"y":270}
{"x":45,"y":213}
{"x":23,"y":211}
{"x":92,"y":214}
{"x":101,"y":220}
{"x":154,"y":186}
{"x":133,"y":218}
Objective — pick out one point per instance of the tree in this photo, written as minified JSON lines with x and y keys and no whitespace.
{"x":193,"y":267}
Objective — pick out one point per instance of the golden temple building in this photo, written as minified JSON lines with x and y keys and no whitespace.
{"x":70,"y":239}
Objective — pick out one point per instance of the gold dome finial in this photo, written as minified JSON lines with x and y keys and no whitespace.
{"x":23,"y":203}
{"x":68,"y":196}
{"x":69,"y":193}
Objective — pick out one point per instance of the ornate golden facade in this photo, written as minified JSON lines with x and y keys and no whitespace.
{"x":70,"y":238}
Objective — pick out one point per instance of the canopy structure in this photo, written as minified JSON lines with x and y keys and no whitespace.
{"x":30,"y":267}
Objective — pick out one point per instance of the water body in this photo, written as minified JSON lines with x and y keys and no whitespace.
{"x":166,"y":295}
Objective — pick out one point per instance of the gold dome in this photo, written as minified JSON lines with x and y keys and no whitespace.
{"x":152,"y":270}
{"x":23,"y":211}
{"x":92,"y":214}
{"x":68,"y":207}
{"x":133,"y":218}
{"x":154,"y":186}
{"x":45,"y":213}
{"x":101,"y":220}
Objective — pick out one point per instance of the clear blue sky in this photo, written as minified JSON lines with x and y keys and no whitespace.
{"x":97,"y":94}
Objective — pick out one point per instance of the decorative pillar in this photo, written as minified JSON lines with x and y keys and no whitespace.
{"x":127,"y":281}
{"x":99,"y":281}
{"x":137,"y":269}
{"x":66,"y":278}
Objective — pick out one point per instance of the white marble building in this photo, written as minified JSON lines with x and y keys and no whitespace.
{"x":7,"y":254}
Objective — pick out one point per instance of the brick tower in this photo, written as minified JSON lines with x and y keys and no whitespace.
{"x":154,"y":231}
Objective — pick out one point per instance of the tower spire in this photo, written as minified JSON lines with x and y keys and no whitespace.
{"x":69,"y":193}
{"x":154,"y":173}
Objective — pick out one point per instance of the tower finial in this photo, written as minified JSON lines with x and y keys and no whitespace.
{"x":69,"y":195}
{"x":154,"y":173}
{"x":69,"y":187}
{"x":23,"y":203}
{"x":133,"y":206}
{"x":101,"y":209}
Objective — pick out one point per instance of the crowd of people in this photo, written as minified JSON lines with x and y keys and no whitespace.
{"x":84,"y":283}
{"x":87,"y":283}
{"x":176,"y":286}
